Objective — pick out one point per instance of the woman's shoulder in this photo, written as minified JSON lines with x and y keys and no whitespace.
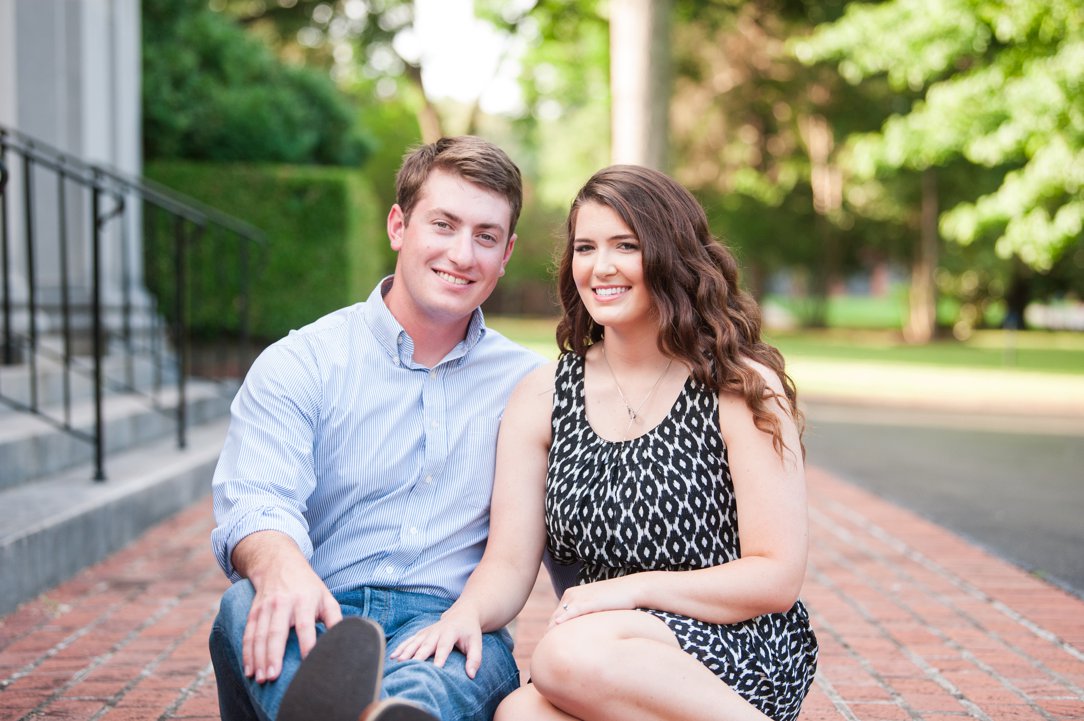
{"x":539,"y":381}
{"x":770,"y":376}
{"x":733,"y":402}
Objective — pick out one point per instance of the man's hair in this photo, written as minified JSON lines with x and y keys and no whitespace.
{"x":475,"y":160}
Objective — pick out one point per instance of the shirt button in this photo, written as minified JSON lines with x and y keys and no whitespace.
{"x":434,"y":373}
{"x":413,"y":531}
{"x":390,"y":569}
{"x":435,"y":424}
{"x":395,"y":361}
{"x":428,"y":479}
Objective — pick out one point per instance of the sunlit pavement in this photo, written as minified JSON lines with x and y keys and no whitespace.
{"x":914,"y":623}
{"x":1010,"y":483}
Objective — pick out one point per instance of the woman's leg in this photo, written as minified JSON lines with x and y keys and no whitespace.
{"x":526,"y":704}
{"x":619,"y":665}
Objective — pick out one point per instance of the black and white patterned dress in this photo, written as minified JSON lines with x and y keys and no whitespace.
{"x":665,"y":501}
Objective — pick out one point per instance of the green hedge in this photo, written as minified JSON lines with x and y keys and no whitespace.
{"x":326,"y":244}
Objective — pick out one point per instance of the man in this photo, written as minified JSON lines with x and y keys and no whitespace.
{"x":356,"y":474}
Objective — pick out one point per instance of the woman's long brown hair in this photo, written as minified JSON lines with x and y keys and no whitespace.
{"x":705,"y":318}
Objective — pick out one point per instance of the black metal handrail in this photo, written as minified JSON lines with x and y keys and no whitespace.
{"x":92,"y":212}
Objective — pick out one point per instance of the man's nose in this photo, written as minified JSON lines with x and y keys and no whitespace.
{"x":462,"y":249}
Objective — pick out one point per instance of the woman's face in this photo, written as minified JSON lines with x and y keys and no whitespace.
{"x":608,"y":267}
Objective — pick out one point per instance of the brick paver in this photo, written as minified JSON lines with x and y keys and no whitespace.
{"x":915,"y":624}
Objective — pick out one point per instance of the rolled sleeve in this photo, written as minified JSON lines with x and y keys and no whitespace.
{"x":269,"y":518}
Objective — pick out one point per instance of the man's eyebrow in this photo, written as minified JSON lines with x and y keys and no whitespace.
{"x":445,"y":213}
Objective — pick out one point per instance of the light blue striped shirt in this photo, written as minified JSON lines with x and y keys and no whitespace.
{"x":380,"y":469}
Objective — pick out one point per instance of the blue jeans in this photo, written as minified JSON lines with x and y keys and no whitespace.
{"x":447,"y":693}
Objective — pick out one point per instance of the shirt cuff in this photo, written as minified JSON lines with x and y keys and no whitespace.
{"x":225,"y":538}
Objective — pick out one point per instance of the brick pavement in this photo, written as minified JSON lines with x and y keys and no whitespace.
{"x":915,"y":624}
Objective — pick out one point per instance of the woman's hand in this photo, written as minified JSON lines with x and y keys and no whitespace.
{"x":614,"y":594}
{"x":456,"y":629}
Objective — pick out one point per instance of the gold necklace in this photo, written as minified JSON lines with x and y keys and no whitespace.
{"x":634,"y":413}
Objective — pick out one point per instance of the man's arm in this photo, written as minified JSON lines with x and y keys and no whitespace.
{"x":264,"y":476}
{"x":288,"y":594}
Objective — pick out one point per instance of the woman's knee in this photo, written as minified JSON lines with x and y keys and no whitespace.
{"x":569,"y":660}
{"x":583,"y":660}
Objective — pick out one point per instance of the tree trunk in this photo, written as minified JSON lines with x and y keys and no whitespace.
{"x":826,"y":185}
{"x":640,"y":81}
{"x":1017,"y":296}
{"x":922,"y":299}
{"x":429,"y":120}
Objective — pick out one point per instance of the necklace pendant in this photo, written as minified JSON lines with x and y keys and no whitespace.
{"x":632,"y":413}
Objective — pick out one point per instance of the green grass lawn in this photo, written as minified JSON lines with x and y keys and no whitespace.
{"x":882,"y":312}
{"x":1038,"y":351}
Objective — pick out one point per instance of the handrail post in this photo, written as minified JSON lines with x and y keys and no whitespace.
{"x":31,"y":280}
{"x":180,"y":299}
{"x":5,"y":258}
{"x":65,"y":292}
{"x":96,"y":330}
{"x":243,"y":312}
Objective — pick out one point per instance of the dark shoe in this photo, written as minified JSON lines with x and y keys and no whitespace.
{"x":395,"y":710}
{"x":340,"y":676}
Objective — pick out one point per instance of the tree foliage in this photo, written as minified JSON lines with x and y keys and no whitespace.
{"x":1000,"y":87}
{"x":211,"y":91}
{"x":754,"y":134}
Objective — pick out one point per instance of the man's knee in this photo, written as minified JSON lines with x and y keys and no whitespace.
{"x":235,"y":604}
{"x":228,"y":628}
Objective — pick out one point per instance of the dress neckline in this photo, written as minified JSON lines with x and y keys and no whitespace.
{"x":581,"y":382}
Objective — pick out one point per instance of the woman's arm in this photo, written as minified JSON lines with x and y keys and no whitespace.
{"x":498,"y":588}
{"x":773,"y":530}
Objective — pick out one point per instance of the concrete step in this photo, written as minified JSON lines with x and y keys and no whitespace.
{"x":32,"y":448}
{"x":49,"y":382}
{"x":54,"y":527}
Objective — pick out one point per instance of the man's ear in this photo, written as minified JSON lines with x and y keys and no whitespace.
{"x":396,"y":227}
{"x":508,"y":252}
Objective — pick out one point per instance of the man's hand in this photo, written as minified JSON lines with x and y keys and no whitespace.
{"x":289,"y":594}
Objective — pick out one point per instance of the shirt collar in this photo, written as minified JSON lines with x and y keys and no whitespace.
{"x":397,"y":342}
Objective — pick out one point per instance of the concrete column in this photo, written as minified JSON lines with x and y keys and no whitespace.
{"x":70,"y":77}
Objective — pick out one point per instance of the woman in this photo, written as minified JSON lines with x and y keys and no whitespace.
{"x":661,"y":453}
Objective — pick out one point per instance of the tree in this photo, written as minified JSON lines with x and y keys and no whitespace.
{"x":212,"y":92}
{"x":755,"y":135}
{"x":352,"y":40}
{"x":1000,"y":88}
{"x":640,"y":81}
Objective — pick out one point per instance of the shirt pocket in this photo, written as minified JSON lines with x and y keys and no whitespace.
{"x":478,"y":461}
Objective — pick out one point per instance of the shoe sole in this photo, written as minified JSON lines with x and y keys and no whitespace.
{"x":341,"y":675}
{"x":395,"y":710}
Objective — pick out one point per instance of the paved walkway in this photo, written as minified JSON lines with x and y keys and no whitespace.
{"x":915,"y":624}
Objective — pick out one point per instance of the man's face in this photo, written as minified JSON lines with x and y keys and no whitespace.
{"x":451,"y":251}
